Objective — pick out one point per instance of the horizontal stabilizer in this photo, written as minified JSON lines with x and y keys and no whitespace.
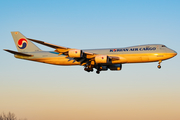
{"x":18,"y":53}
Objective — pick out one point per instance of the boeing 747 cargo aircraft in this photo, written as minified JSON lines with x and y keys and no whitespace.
{"x":99,"y":59}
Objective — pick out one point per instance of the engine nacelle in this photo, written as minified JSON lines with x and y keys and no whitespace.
{"x":115,"y":67}
{"x":75,"y":53}
{"x":99,"y":59}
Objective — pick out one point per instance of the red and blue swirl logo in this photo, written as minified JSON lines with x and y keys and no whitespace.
{"x":22,"y":43}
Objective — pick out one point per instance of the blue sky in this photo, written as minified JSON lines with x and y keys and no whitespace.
{"x":32,"y":89}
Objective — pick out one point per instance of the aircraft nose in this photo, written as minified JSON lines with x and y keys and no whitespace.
{"x":175,"y":53}
{"x":171,"y":53}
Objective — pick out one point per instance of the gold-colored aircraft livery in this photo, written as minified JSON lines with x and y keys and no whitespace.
{"x":100,"y":59}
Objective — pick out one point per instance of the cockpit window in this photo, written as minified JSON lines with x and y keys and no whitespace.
{"x":163,"y":46}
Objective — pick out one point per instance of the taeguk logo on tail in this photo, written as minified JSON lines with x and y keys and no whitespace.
{"x":22,"y":43}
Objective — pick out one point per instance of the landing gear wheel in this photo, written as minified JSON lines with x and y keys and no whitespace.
{"x":97,"y":72}
{"x":159,"y":66}
{"x":85,"y":69}
{"x":89,"y":68}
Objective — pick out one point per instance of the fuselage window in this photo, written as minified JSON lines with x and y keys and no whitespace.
{"x":163,"y":46}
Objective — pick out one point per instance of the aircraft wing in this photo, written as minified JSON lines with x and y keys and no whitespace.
{"x":59,"y":49}
{"x":87,"y":57}
{"x":47,"y":44}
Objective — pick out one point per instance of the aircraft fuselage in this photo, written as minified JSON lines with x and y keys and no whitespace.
{"x":134,"y":54}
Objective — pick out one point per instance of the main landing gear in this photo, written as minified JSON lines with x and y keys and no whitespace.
{"x":99,"y":68}
{"x":97,"y":71}
{"x":159,"y":66}
{"x":89,"y":68}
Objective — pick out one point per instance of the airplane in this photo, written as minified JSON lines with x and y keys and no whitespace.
{"x":99,"y":59}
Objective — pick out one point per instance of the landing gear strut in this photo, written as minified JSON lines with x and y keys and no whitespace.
{"x":159,"y":66}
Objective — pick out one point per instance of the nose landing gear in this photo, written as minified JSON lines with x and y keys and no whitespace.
{"x":159,"y":66}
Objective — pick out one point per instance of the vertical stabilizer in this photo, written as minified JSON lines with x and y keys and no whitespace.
{"x":23,"y":44}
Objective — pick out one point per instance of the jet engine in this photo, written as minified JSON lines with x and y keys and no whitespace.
{"x":75,"y":53}
{"x":115,"y":67}
{"x":99,"y":59}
